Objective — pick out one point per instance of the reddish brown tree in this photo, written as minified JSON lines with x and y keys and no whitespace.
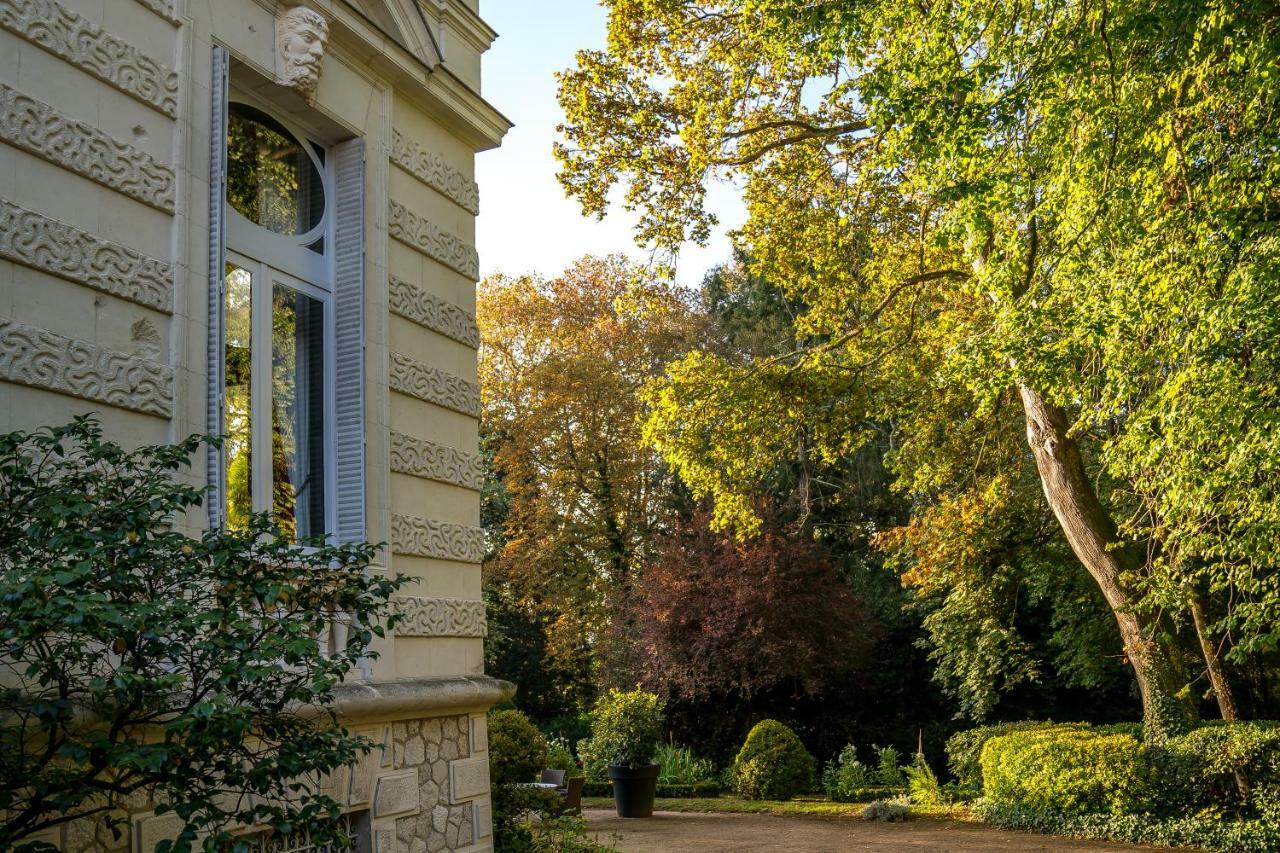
{"x":736,"y":619}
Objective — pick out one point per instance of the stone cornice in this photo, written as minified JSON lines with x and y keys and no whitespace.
{"x":413,"y":698}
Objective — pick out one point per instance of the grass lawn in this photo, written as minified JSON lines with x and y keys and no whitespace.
{"x":803,"y":807}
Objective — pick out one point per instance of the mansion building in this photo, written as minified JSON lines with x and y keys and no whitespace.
{"x":256,"y":218}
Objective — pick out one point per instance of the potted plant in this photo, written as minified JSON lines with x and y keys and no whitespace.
{"x":625,"y":730}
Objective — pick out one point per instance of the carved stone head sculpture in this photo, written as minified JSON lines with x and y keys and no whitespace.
{"x":301,"y":35}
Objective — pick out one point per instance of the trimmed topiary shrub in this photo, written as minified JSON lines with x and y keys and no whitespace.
{"x":772,"y":764}
{"x":625,"y":731}
{"x":1068,"y":770}
{"x":517,"y":750}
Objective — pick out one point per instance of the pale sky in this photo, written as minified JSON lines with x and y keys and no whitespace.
{"x":526,"y":224}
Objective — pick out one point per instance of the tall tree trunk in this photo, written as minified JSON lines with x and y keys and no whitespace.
{"x":1093,"y":536}
{"x":1212,"y":660}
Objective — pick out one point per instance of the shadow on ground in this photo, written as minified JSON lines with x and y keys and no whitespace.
{"x":676,"y":831}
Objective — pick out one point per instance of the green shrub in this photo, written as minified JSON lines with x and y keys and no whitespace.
{"x":923,"y":786}
{"x":1069,"y":770}
{"x":772,"y":764}
{"x":1210,"y":833}
{"x":625,"y":729}
{"x":560,"y":757}
{"x":844,"y":776}
{"x":964,"y":749}
{"x":517,"y":750}
{"x":1215,"y":765}
{"x":595,"y":767}
{"x":888,"y":772}
{"x":681,"y":767}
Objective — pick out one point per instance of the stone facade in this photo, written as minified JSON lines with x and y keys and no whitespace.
{"x":113,"y":231}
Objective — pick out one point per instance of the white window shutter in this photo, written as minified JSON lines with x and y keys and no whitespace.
{"x":348,"y":304}
{"x":217,"y":264}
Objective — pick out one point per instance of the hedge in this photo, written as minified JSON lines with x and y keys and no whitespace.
{"x":1207,"y":833}
{"x":1210,"y":763}
{"x":1068,"y":770}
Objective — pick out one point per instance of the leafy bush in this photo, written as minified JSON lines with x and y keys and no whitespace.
{"x":1068,"y":769}
{"x":1227,"y":765}
{"x":140,"y":661}
{"x":560,"y":757}
{"x":772,"y":765}
{"x":923,"y":786}
{"x":844,"y":777}
{"x":1210,"y":833}
{"x":517,"y":750}
{"x":595,"y":766}
{"x":888,"y":771}
{"x":681,"y":767}
{"x":964,"y":749}
{"x":625,"y":729}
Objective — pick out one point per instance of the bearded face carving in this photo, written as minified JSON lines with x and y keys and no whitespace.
{"x":301,"y":35}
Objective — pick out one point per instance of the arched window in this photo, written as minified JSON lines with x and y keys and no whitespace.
{"x":284,"y":317}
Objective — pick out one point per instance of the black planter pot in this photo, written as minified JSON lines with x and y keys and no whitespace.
{"x":633,"y":789}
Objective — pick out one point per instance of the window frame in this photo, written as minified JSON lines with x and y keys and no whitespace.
{"x":273,"y":258}
{"x":263,"y":279}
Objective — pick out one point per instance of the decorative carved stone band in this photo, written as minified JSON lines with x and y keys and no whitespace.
{"x":430,"y":168}
{"x":42,"y":359}
{"x":50,"y":246}
{"x":433,"y":461}
{"x":416,"y":379}
{"x":435,"y":242}
{"x":422,"y":537}
{"x":167,"y":9}
{"x":72,"y":38}
{"x":39,"y":129}
{"x":432,"y":312}
{"x":440,"y":617}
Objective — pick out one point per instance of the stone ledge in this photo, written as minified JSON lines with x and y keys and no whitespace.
{"x":419,"y":697}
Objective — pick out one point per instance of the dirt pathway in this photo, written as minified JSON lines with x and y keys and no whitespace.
{"x":740,"y":833}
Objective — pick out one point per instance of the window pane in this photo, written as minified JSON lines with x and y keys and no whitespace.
{"x":297,"y":412}
{"x":271,"y":179}
{"x":236,"y":428}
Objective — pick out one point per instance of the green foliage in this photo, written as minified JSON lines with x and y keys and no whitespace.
{"x":964,"y":749}
{"x":143,"y":660}
{"x":1210,"y":833}
{"x":923,"y":786}
{"x":1068,"y":770}
{"x":886,"y":811}
{"x":560,"y":757}
{"x":625,"y":730}
{"x":1212,"y":765}
{"x":680,"y":767}
{"x":888,"y":767}
{"x":517,"y":750}
{"x":845,"y":777}
{"x":772,"y":764}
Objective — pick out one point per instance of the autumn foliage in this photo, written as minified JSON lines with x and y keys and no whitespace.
{"x":731,"y":618}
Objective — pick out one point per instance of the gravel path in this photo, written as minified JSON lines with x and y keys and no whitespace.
{"x":739,"y":833}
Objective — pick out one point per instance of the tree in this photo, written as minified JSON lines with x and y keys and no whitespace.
{"x":735,"y":619}
{"x":143,"y":664}
{"x":1067,"y":201}
{"x":561,"y":365}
